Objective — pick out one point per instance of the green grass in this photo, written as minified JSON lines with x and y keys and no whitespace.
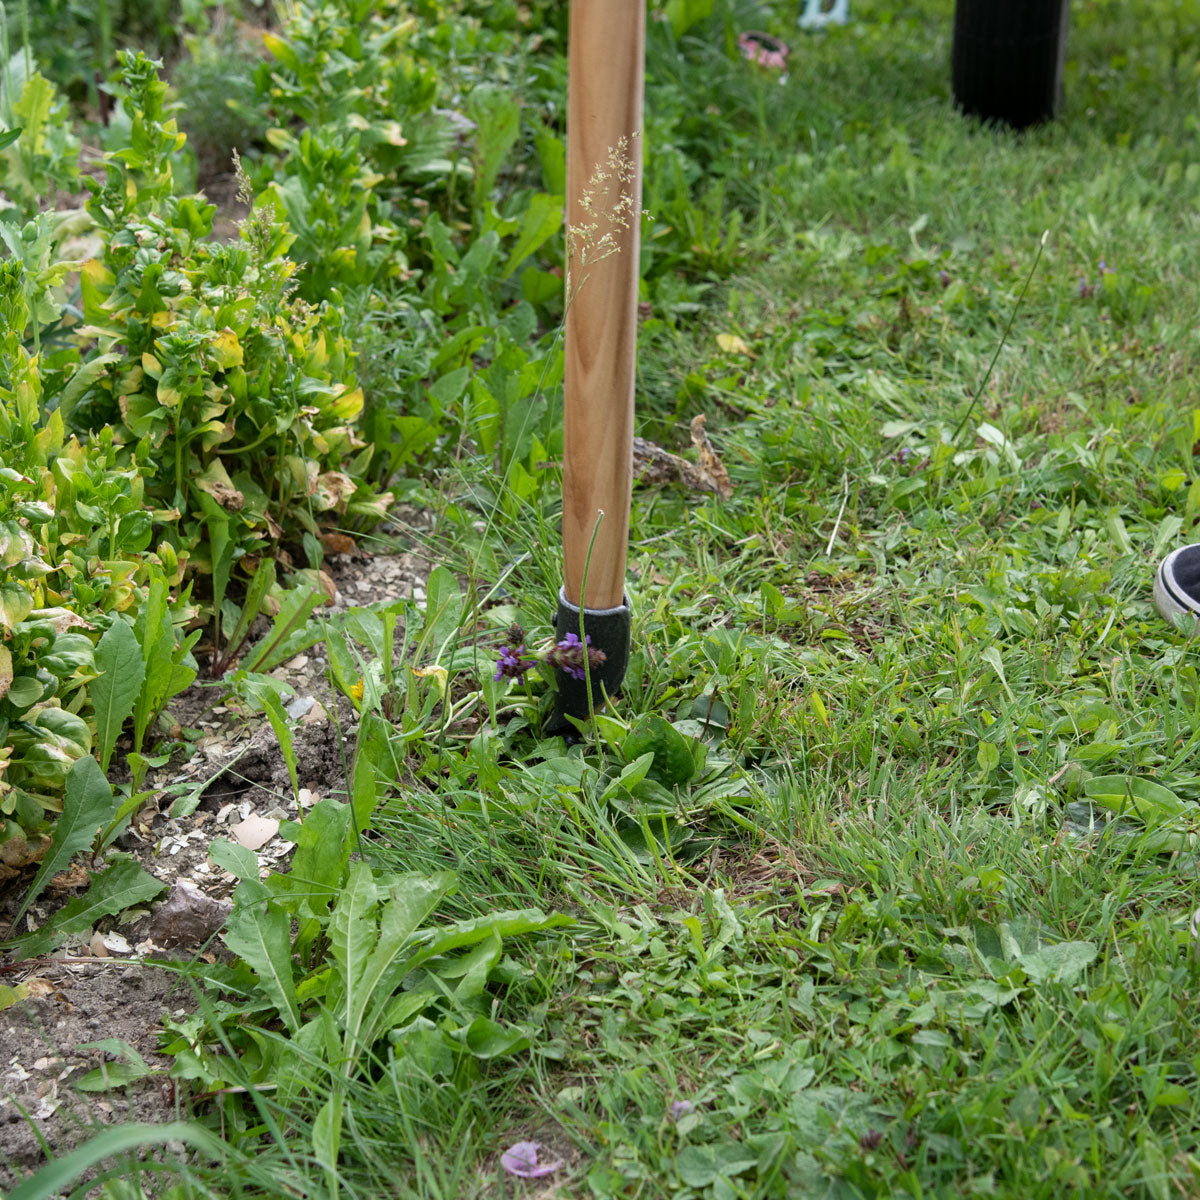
{"x":899,"y":963}
{"x":887,"y":945}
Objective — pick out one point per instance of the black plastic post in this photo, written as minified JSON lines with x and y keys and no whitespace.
{"x":1008,"y":59}
{"x":608,"y":629}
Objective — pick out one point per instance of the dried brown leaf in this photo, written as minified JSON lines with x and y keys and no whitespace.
{"x":710,"y":461}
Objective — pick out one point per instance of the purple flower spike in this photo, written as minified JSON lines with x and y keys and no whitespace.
{"x":521,"y":1160}
{"x":511,"y":665}
{"x":681,"y":1108}
{"x":570,"y":654}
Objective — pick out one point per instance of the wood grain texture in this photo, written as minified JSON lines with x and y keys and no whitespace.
{"x":604,"y":200}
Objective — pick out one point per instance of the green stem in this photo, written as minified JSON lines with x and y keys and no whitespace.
{"x":587,"y":663}
{"x":1012,"y":316}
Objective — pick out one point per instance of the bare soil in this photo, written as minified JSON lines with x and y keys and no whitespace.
{"x":40,"y":1054}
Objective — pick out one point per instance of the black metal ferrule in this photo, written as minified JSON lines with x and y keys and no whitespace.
{"x":609,"y":630}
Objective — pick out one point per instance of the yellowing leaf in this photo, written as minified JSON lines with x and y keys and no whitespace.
{"x":317,"y":355}
{"x":349,"y":405}
{"x":12,"y":995}
{"x":730,"y":343}
{"x":437,"y":674}
{"x":392,"y":135}
{"x":162,"y":319}
{"x":97,"y":273}
{"x":227,"y":349}
{"x":281,"y":51}
{"x":151,"y":365}
{"x":15,"y":605}
{"x":50,"y":436}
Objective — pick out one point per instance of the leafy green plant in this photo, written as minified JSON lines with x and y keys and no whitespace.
{"x":355,"y":130}
{"x":44,"y":660}
{"x":396,"y":189}
{"x":75,"y":41}
{"x":365,"y":985}
{"x":237,"y":399}
{"x":39,"y":151}
{"x":76,"y":554}
{"x":87,"y":805}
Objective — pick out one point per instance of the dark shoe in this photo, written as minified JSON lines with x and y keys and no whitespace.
{"x":1177,"y":584}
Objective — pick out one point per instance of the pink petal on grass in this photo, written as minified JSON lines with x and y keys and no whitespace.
{"x":522,"y":1160}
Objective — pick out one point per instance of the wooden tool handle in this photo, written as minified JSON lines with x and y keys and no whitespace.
{"x":604,"y":201}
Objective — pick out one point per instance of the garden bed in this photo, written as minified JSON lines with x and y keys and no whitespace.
{"x":93,"y":986}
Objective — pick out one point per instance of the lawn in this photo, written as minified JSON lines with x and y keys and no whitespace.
{"x":900,"y":902}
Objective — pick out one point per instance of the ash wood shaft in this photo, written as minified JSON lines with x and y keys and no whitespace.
{"x":604,"y":200}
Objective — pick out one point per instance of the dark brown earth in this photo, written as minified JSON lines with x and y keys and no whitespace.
{"x":40,"y":1055}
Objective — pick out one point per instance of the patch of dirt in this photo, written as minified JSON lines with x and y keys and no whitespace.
{"x":221,"y":189}
{"x":554,"y":1146}
{"x":41,"y":1059}
{"x":234,"y":785}
{"x":364,"y":578}
{"x":750,"y":875}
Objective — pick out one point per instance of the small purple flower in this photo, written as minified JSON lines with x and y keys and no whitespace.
{"x":944,"y":276}
{"x":522,"y":1160}
{"x":1102,"y":267}
{"x":903,"y":454}
{"x":571,"y":654}
{"x":511,"y":664}
{"x":680,"y":1108}
{"x":1085,"y":289}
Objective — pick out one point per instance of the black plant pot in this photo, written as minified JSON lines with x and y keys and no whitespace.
{"x":1008,"y":59}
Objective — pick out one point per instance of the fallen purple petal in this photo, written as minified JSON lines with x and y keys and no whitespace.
{"x":522,"y":1160}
